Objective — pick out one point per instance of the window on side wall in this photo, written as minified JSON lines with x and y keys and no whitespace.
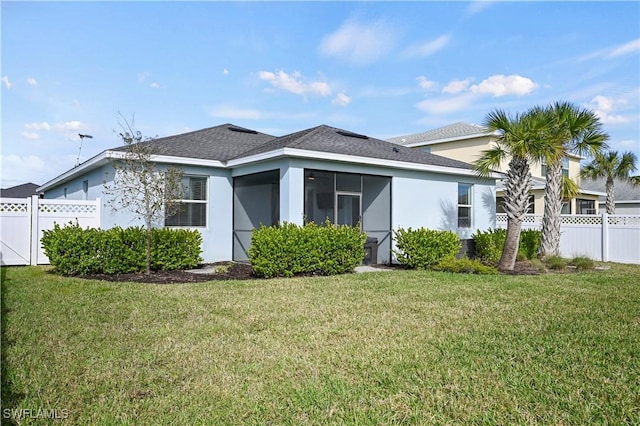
{"x":192,"y":211}
{"x":464,"y":205}
{"x":85,"y":190}
{"x":586,"y":206}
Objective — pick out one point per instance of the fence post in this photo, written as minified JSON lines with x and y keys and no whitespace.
{"x":605,"y":237}
{"x":33,"y":232}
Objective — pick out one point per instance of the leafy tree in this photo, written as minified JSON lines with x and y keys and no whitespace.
{"x":521,"y":141}
{"x":569,"y":129}
{"x":140,"y":186}
{"x":611,"y":165}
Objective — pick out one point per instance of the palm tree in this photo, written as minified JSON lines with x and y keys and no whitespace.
{"x":610,"y":165}
{"x":520,"y":140}
{"x":570,"y":129}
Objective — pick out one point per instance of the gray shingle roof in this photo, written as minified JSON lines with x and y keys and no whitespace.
{"x":456,"y":130}
{"x":215,"y":143}
{"x":622,"y":190}
{"x":337,"y":141}
{"x":20,"y":191}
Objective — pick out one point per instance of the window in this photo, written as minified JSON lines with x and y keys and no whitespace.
{"x":426,"y":149}
{"x":566,"y":207}
{"x":192,"y":211}
{"x":565,"y":167}
{"x":85,"y":190}
{"x":65,"y":193}
{"x":586,"y":206}
{"x":333,"y":196}
{"x":464,"y":205}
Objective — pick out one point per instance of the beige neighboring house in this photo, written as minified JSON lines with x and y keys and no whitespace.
{"x":465,"y":142}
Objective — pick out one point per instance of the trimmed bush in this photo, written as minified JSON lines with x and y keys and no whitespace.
{"x":556,"y":263}
{"x":489,"y":244}
{"x":464,"y":265}
{"x":425,"y":248}
{"x":76,"y":251}
{"x":289,"y":249}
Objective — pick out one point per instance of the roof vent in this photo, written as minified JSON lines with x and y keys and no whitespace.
{"x":351,"y":135}
{"x":395,"y":149}
{"x":242,"y":130}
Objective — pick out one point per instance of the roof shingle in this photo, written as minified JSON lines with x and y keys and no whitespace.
{"x":456,"y":130}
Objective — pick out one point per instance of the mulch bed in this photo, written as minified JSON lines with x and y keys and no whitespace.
{"x":234,"y":271}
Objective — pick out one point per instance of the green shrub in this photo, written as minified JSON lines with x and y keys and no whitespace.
{"x":76,"y":251}
{"x":582,"y":263}
{"x":530,"y":243}
{"x":289,"y":249}
{"x":464,"y":265}
{"x":425,"y":248}
{"x":556,"y":263}
{"x":73,"y":250}
{"x":489,"y":244}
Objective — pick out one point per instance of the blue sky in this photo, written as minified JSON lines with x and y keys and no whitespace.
{"x":379,"y":68}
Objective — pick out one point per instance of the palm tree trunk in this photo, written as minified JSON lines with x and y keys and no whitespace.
{"x":611,"y":198}
{"x":516,"y":195}
{"x":550,"y":241}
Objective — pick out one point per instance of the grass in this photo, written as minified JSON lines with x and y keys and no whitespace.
{"x":380,"y":348}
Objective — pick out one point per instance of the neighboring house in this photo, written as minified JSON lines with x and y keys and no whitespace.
{"x":465,"y":142}
{"x":20,"y":191}
{"x":238,"y":179}
{"x":627,"y":196}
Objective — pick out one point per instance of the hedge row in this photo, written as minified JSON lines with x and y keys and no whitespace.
{"x":425,"y":248}
{"x":76,"y":251}
{"x":289,"y":249}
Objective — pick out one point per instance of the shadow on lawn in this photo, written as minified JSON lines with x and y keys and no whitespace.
{"x":10,"y":399}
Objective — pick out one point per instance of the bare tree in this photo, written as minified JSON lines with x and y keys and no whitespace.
{"x":139,"y":185}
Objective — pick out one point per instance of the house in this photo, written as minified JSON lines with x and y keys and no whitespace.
{"x":627,"y":196}
{"x":238,"y":179}
{"x":20,"y":191}
{"x":465,"y":142}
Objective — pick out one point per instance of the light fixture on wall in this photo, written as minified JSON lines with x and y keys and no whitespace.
{"x":311,"y":176}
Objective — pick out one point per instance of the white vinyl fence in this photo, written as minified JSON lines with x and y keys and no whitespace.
{"x":607,"y":238}
{"x":22,"y":221}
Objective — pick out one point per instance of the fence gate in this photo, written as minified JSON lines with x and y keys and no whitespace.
{"x":23,"y":220}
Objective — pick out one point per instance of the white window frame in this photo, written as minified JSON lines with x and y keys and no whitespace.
{"x":189,"y":201}
{"x":469,"y":206}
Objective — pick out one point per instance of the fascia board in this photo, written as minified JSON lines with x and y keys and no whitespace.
{"x":451,"y":139}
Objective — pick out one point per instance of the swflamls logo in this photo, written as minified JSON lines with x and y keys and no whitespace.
{"x":40,"y":413}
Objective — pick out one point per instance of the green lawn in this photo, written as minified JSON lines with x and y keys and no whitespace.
{"x":377,"y":348}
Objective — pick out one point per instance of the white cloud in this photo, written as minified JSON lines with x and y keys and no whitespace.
{"x":628,"y":48}
{"x":360,"y":43}
{"x":604,"y":107}
{"x":625,"y":49}
{"x":70,"y":126}
{"x":30,"y":135}
{"x":456,"y":86}
{"x":6,"y":82}
{"x":501,"y":85}
{"x":225,"y":71}
{"x":478,"y":6}
{"x":17,"y":169}
{"x":38,"y":126}
{"x":32,"y":81}
{"x":427,"y":48}
{"x":155,"y":85}
{"x":294,"y":83}
{"x":445,"y":105}
{"x":144,"y":76}
{"x":341,"y":99}
{"x":426,"y":83}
